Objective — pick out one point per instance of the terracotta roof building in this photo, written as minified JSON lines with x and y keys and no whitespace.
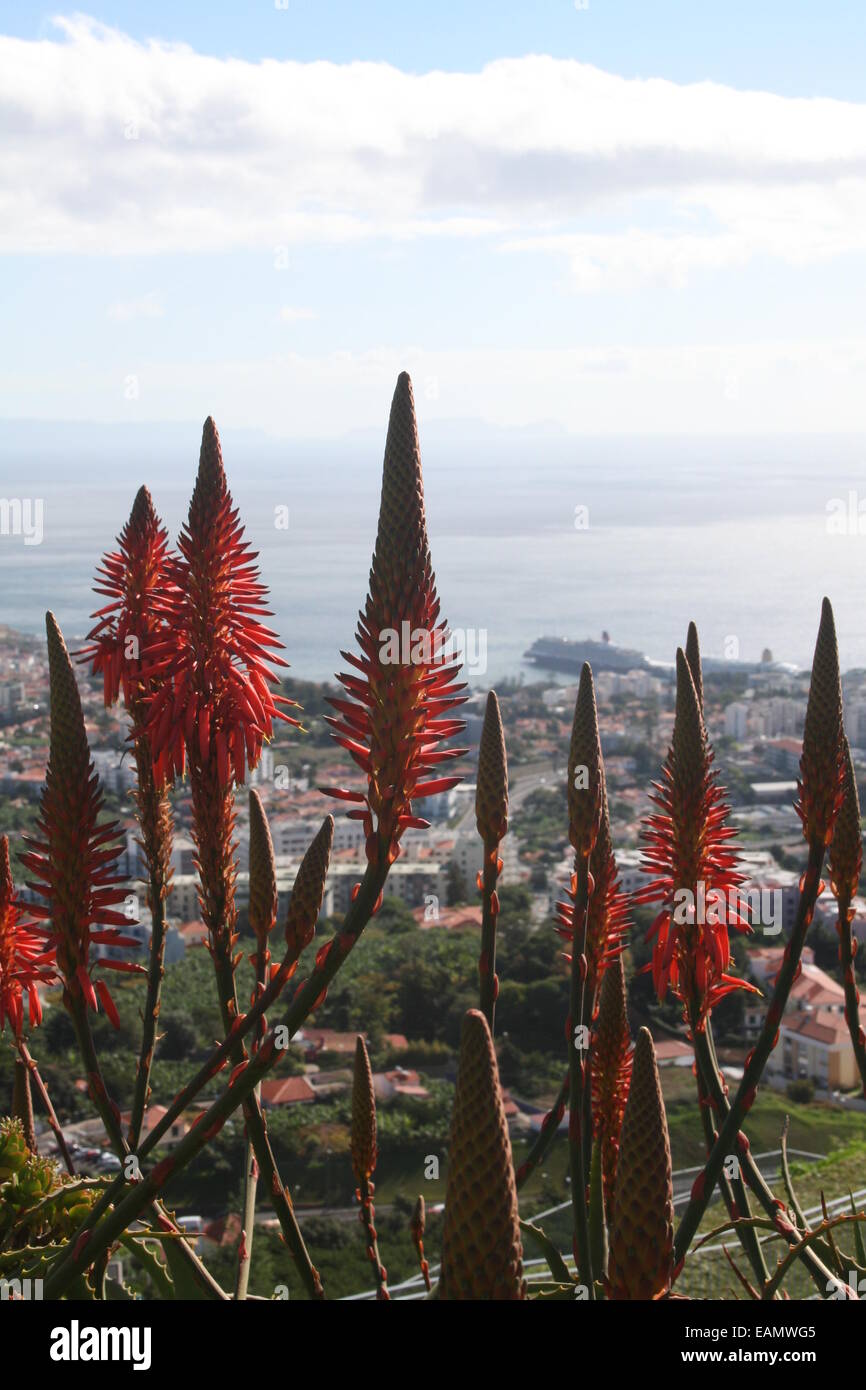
{"x":291,"y":1090}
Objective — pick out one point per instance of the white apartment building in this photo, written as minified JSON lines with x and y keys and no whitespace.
{"x":116,"y":769}
{"x":292,"y":836}
{"x":736,"y":720}
{"x":776,"y":717}
{"x":641,"y":685}
{"x":11,"y":696}
{"x":412,"y":881}
{"x":468,"y":855}
{"x":855,"y":721}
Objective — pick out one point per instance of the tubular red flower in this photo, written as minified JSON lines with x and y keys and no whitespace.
{"x":611,"y":1074}
{"x":694,"y":870}
{"x":608,"y":919}
{"x":74,"y":856}
{"x":400,"y":698}
{"x":213,"y":661}
{"x":25,"y":961}
{"x":134,"y":579}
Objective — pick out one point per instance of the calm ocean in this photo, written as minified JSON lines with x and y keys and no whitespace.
{"x":733,"y":533}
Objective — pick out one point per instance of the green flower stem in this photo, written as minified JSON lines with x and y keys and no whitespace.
{"x":576,"y":1059}
{"x":487,"y":970}
{"x":155,"y":975}
{"x":251,"y":1170}
{"x":110,"y":1117}
{"x":546,"y":1135}
{"x":711,"y":1089}
{"x":113,"y":1222}
{"x":756,"y":1180}
{"x":852,"y":1001}
{"x":215,"y":1062}
{"x":150,"y":819}
{"x":727,"y":1140}
{"x":259,"y":1143}
{"x":50,"y":1113}
{"x":368,"y":1219}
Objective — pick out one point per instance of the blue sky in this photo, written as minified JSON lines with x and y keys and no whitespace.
{"x":800,"y":48}
{"x":648,"y":218}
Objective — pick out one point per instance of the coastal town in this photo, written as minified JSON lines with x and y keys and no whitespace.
{"x":754,"y":719}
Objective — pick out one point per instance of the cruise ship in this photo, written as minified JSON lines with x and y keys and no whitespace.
{"x":563,"y":654}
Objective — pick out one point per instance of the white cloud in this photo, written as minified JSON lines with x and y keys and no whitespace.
{"x":293,"y":314}
{"x":626,"y":260}
{"x":150,"y":306}
{"x":143,"y":148}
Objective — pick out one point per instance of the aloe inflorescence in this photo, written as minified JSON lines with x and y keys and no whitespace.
{"x":482,"y":1253}
{"x":641,"y":1240}
{"x":26,"y":962}
{"x":73,"y":856}
{"x":611,"y":1074}
{"x":364,"y":1154}
{"x":183,"y":639}
{"x":693,"y":867}
{"x":403,"y":683}
{"x":491,"y":818}
{"x":134,"y":578}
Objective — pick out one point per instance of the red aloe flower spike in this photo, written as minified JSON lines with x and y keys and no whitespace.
{"x":693,"y":657}
{"x":215,"y":704}
{"x":608,"y":920}
{"x":694,"y":875}
{"x":642,"y":1233}
{"x":584,"y":770}
{"x":392,"y":725}
{"x":482,"y":1253}
{"x":73,"y":858}
{"x":363,"y":1141}
{"x":308,"y":890}
{"x":611,"y":1074}
{"x":491,"y":816}
{"x":25,"y":962}
{"x":491,"y":792}
{"x":215,"y":701}
{"x":263,"y":875}
{"x":821,"y":793}
{"x":134,"y":578}
{"x":263,"y":894}
{"x":846,"y":849}
{"x":364,"y":1155}
{"x":821,"y":767}
{"x":846,"y":862}
{"x":585,"y":793}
